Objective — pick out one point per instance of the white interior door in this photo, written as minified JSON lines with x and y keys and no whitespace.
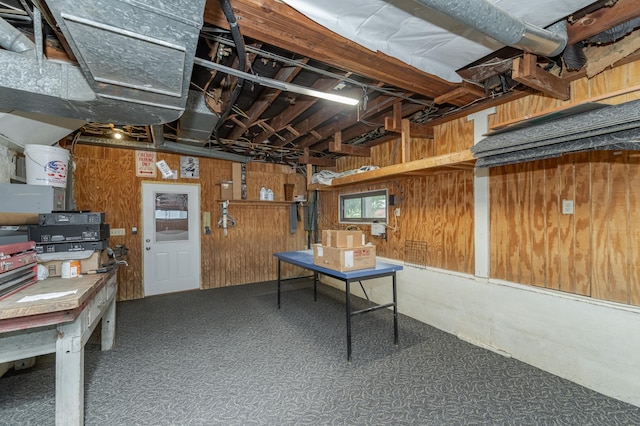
{"x":171,"y":237}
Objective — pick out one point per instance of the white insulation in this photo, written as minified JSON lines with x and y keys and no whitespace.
{"x":423,"y":37}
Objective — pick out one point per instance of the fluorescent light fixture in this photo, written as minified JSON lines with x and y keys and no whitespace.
{"x":277,"y":84}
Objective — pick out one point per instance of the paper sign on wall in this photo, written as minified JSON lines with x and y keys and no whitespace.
{"x":164,"y":169}
{"x":145,"y":164}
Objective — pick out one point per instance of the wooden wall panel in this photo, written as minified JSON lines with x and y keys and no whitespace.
{"x":105,"y":180}
{"x":593,"y":252}
{"x":634,"y":228}
{"x":498,"y":219}
{"x":617,"y":248}
{"x":566,"y":229}
{"x":538,"y":227}
{"x":582,"y":225}
{"x":436,"y":210}
{"x":599,"y":230}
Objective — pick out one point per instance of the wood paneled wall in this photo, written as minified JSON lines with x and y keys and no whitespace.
{"x":436,"y":209}
{"x":594,"y":252}
{"x":105,"y":180}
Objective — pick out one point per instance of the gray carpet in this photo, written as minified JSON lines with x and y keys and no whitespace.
{"x":230,"y":357}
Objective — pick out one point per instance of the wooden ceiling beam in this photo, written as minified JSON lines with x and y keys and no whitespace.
{"x":280,"y":25}
{"x":336,"y":146}
{"x":315,"y":120}
{"x":359,"y":129}
{"x":306,"y":158}
{"x":527,"y":72}
{"x":602,"y":19}
{"x":381,"y":103}
{"x":395,"y":124}
{"x":458,"y":96}
{"x":286,"y":74}
{"x":302,"y":104}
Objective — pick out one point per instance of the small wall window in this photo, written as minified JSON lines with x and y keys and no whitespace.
{"x":363,"y":207}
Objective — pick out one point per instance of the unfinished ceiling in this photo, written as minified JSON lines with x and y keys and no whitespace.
{"x":133,"y":65}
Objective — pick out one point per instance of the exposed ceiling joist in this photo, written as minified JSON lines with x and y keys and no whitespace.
{"x":602,"y":19}
{"x":280,"y":25}
{"x":527,"y":72}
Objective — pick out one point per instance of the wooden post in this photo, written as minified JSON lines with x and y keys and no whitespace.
{"x":406,"y":141}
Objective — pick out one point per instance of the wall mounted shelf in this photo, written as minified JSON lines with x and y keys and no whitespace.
{"x":257,"y":202}
{"x":425,"y":166}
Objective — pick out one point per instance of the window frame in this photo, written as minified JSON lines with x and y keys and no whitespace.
{"x":362,"y":195}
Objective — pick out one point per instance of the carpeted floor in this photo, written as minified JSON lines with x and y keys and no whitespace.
{"x":229,"y":357}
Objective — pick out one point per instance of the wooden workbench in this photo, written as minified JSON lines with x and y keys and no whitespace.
{"x":60,"y":325}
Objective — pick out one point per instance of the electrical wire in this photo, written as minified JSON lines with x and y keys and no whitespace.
{"x":300,"y":64}
{"x":240,"y":47}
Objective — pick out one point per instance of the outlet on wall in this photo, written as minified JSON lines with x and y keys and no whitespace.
{"x":116,"y":232}
{"x":567,"y":206}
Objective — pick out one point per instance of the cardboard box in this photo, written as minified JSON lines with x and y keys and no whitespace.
{"x":95,"y":261}
{"x":337,"y":238}
{"x":236,"y":175}
{"x":344,"y":259}
{"x":226,"y":190}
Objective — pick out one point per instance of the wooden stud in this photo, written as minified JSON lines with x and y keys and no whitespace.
{"x":405,"y":141}
{"x":526,"y":71}
{"x":306,"y":158}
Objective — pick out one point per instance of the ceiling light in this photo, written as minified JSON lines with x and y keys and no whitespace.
{"x":277,"y":84}
{"x":117,"y":135}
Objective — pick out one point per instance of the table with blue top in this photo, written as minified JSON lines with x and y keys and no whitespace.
{"x":304,"y":259}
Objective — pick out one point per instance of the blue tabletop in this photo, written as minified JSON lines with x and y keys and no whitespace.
{"x":304,"y":259}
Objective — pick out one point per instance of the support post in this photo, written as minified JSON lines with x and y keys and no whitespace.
{"x":481,"y":199}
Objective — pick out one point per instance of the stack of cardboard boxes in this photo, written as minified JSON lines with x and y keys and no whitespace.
{"x":344,"y":251}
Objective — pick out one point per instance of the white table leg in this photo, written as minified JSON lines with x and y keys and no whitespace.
{"x":109,"y":326}
{"x":70,"y":373}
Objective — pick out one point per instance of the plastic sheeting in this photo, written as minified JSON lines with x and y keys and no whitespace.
{"x":420,"y":36}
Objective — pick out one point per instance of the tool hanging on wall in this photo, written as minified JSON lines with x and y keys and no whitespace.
{"x":226,"y":221}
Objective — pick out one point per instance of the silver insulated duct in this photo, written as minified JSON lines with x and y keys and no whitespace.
{"x":13,"y":40}
{"x":135,"y":60}
{"x":502,"y":26}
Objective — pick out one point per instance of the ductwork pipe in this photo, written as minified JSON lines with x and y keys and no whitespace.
{"x":504,"y":27}
{"x":13,"y":40}
{"x":157,"y":135}
{"x":170,"y":147}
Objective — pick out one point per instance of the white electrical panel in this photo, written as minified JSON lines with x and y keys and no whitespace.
{"x":377,"y":229}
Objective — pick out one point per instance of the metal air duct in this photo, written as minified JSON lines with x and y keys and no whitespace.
{"x":13,"y":40}
{"x":502,"y":26}
{"x":198,"y":121}
{"x":160,"y":145}
{"x":135,"y":60}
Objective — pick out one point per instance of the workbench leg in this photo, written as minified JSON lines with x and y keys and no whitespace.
{"x":278,"y":283}
{"x":348,"y":303}
{"x":395,"y":311}
{"x":109,"y":326}
{"x":70,"y":373}
{"x":315,"y":286}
